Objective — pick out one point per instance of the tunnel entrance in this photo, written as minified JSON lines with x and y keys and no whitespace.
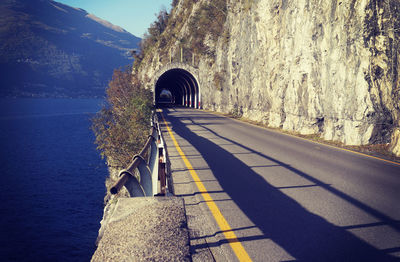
{"x":177,"y":87}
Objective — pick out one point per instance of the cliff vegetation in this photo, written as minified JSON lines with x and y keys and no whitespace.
{"x":123,"y":124}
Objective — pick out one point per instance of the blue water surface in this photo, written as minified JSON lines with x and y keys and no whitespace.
{"x":51,"y":181}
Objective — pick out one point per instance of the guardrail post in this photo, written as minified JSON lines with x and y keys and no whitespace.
{"x":162,"y":160}
{"x":153,"y":164}
{"x":145,"y":178}
{"x":161,"y":174}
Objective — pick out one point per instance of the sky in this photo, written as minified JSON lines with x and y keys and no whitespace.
{"x":135,"y":16}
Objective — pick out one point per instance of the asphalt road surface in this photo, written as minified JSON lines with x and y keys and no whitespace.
{"x":284,"y":198}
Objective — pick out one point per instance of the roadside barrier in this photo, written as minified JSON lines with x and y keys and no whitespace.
{"x":147,"y":168}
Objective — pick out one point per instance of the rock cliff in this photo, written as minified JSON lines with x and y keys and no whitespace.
{"x":313,"y":67}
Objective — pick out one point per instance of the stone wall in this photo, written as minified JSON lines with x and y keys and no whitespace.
{"x":325,"y":67}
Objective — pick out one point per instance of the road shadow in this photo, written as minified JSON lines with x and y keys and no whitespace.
{"x":304,"y":235}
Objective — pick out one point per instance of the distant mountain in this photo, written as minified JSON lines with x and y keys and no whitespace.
{"x":49,"y":49}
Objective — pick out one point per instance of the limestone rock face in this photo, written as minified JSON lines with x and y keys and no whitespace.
{"x":314,"y":67}
{"x":395,"y":148}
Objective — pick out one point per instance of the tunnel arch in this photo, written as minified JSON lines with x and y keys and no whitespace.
{"x":181,"y":81}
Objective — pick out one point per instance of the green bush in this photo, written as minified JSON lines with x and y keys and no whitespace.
{"x":218,"y":80}
{"x":163,"y":33}
{"x":236,"y":112}
{"x":153,"y":37}
{"x":122,"y":125}
{"x":208,"y":19}
{"x":247,"y":5}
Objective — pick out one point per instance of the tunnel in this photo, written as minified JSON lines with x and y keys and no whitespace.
{"x":177,"y":87}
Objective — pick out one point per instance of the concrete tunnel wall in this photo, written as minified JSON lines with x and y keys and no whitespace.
{"x":181,"y":81}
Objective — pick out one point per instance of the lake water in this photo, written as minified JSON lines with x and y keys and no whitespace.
{"x":51,"y":181}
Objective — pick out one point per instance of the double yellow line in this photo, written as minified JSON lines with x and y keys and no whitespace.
{"x":230,"y":236}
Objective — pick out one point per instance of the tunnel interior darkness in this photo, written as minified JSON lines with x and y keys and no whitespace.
{"x":181,"y":84}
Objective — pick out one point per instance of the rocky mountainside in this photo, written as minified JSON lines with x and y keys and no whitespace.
{"x":314,"y":67}
{"x":50,"y":49}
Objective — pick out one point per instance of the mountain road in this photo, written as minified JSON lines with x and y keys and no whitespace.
{"x":252,"y":193}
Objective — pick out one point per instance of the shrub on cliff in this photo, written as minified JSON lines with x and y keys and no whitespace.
{"x":209,"y":19}
{"x":123,"y":124}
{"x":153,"y":36}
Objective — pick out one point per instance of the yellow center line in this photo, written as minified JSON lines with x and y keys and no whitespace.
{"x":230,"y":236}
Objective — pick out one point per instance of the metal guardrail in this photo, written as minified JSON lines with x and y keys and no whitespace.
{"x":146,"y":169}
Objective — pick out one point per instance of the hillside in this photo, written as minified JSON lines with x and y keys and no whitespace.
{"x":325,"y":68}
{"x":48,"y":49}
